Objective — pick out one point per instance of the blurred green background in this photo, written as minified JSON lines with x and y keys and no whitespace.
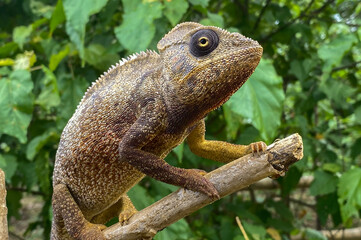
{"x":309,"y":81}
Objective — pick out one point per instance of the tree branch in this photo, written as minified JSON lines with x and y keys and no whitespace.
{"x":336,"y":234}
{"x":263,"y":10}
{"x":351,"y":65}
{"x":227,"y":179}
{"x":3,"y":209}
{"x":302,"y":15}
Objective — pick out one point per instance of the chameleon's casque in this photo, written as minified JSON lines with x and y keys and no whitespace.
{"x":135,"y":114}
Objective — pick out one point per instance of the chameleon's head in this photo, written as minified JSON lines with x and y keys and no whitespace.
{"x":207,"y":64}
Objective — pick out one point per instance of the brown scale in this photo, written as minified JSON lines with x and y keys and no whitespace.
{"x":135,"y":114}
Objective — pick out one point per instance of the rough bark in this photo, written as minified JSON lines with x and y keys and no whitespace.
{"x":3,"y":209}
{"x":227,"y":179}
{"x":342,"y":234}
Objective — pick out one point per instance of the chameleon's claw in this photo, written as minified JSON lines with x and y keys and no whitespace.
{"x":200,"y":171}
{"x":92,"y":232}
{"x":125,"y":216}
{"x":257,"y":148}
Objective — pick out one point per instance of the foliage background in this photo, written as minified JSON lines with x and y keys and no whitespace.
{"x":308,"y":82}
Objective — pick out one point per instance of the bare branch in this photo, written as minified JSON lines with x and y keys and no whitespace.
{"x":337,"y":234}
{"x":3,"y":209}
{"x":227,"y":179}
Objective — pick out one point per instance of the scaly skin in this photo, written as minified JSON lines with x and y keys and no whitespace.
{"x":135,"y":114}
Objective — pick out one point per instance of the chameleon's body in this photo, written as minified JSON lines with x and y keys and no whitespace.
{"x":135,"y":114}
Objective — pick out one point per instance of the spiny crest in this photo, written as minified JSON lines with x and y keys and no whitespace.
{"x":102,"y":79}
{"x":176,"y":34}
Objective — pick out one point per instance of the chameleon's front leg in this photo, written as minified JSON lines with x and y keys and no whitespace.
{"x":147,"y":127}
{"x":218,"y":150}
{"x":67,"y":214}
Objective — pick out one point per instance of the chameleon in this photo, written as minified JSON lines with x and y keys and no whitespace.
{"x":135,"y":114}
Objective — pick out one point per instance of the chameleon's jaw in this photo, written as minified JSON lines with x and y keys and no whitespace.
{"x":239,"y":66}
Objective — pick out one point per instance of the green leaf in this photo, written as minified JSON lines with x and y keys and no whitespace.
{"x":337,"y":90}
{"x":281,"y":209}
{"x":55,"y":59}
{"x":358,"y":114}
{"x":37,"y":143}
{"x":97,"y":56}
{"x":302,"y":69}
{"x":21,"y":35}
{"x":256,"y":231}
{"x":174,"y":10}
{"x":332,"y":53}
{"x":49,"y":96}
{"x":137,"y":29}
{"x":77,"y":15}
{"x":6,"y":62}
{"x":327,"y":205}
{"x":349,"y":195}
{"x":58,"y":16}
{"x":73,"y":93}
{"x":331,"y":167}
{"x":180,"y":230}
{"x":8,"y":164}
{"x":43,"y":172}
{"x":213,"y":19}
{"x":40,"y":9}
{"x":27,"y":171}
{"x":13,"y":202}
{"x":290,"y":180}
{"x":8,"y":49}
{"x":179,"y":150}
{"x":311,"y":234}
{"x":16,"y":104}
{"x":323,"y":183}
{"x":356,"y":148}
{"x":233,"y":123}
{"x":140,"y":197}
{"x":203,"y":3}
{"x":260,"y":100}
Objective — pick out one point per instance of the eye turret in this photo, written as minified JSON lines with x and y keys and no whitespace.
{"x":203,"y":42}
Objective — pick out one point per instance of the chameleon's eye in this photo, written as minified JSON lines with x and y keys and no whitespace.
{"x":203,"y":42}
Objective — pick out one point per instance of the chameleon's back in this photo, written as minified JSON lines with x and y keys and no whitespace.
{"x":87,"y":160}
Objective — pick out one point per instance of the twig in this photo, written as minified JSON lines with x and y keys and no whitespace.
{"x":302,"y":15}
{"x":351,"y":65}
{"x":241,"y":227}
{"x":227,"y":179}
{"x":36,"y":68}
{"x":263,"y":10}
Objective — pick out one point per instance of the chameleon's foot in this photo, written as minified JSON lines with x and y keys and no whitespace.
{"x":125,"y":216}
{"x":92,"y":232}
{"x":149,"y":236}
{"x":258,"y":148}
{"x":200,"y":171}
{"x":201,"y":184}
